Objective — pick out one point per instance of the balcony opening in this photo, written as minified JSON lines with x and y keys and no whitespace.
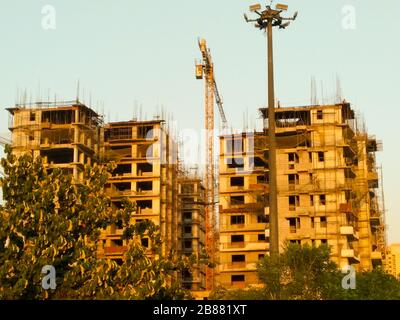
{"x":261,"y":237}
{"x":113,"y":134}
{"x":143,"y":168}
{"x":234,"y":145}
{"x":237,"y":219}
{"x":322,"y":200}
{"x":237,"y":182}
{"x":293,"y":180}
{"x":187,"y":244}
{"x":187,"y":215}
{"x":238,"y":258}
{"x":58,"y":156}
{"x":123,"y":186}
{"x":324,"y":241}
{"x":293,"y":157}
{"x":263,"y":179}
{"x":261,"y":218}
{"x":320,"y":114}
{"x":144,"y":186}
{"x":294,"y":224}
{"x":122,"y":169}
{"x":294,"y":201}
{"x":144,"y":204}
{"x":238,"y":280}
{"x":57,"y":136}
{"x":323,"y":222}
{"x":312,"y":222}
{"x":119,"y":152}
{"x":237,"y":200}
{"x":257,"y":162}
{"x":321,"y":156}
{"x":58,"y":117}
{"x":32,"y":116}
{"x":187,"y":230}
{"x":237,"y":238}
{"x":117,"y":243}
{"x":145,"y":132}
{"x":261,"y":256}
{"x":235,"y":163}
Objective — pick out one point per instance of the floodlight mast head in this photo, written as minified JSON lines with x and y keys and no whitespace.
{"x":255,"y":7}
{"x":282,"y":7}
{"x":270,"y":16}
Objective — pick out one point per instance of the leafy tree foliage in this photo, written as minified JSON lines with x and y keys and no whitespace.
{"x":307,"y":273}
{"x":48,"y":219}
{"x":374,"y":285}
{"x":298,"y":273}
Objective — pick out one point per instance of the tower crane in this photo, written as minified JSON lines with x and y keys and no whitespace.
{"x":206,"y":67}
{"x":205,"y":70}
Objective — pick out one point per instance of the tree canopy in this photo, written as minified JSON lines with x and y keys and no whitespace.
{"x":308,"y":273}
{"x":48,"y":219}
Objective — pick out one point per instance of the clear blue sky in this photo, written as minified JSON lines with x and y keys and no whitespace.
{"x":129,"y":50}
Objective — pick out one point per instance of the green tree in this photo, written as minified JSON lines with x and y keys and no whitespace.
{"x":300,"y":272}
{"x":374,"y":285}
{"x":47,"y":219}
{"x":307,"y":273}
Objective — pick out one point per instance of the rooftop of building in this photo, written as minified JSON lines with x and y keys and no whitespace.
{"x":292,"y":112}
{"x":134,"y":122}
{"x":51,"y":106}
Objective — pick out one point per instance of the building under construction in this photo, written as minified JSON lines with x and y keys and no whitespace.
{"x":70,"y":135}
{"x":66,"y":136}
{"x":146,"y":174}
{"x":328,"y":184}
{"x":328,"y":191}
{"x":192,"y":226}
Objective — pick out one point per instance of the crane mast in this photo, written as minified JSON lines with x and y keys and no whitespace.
{"x":205,"y":70}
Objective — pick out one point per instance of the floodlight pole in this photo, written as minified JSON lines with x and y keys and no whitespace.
{"x":267,"y":19}
{"x":273,"y":192}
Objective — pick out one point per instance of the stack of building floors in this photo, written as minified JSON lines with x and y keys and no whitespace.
{"x":327,"y":191}
{"x":70,"y":135}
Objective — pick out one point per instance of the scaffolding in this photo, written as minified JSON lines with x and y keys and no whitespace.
{"x":326,"y":189}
